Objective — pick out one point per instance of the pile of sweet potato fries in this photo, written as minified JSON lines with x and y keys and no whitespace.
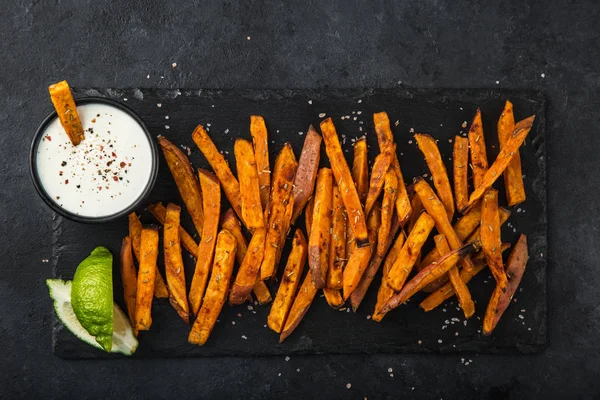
{"x":355,"y":221}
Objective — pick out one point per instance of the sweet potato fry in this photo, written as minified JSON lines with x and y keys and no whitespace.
{"x":373,"y":225}
{"x":460,"y":159}
{"x":247,"y":274}
{"x":146,"y":278}
{"x":320,"y":235}
{"x":308,"y":214}
{"x":65,"y":107}
{"x":490,"y":236}
{"x":479,"y":161}
{"x":410,"y":251}
{"x":360,"y":169}
{"x":433,"y":158}
{"x":135,"y":233}
{"x":306,"y":175}
{"x":341,"y":173}
{"x":252,"y":212}
{"x":216,"y":292}
{"x":385,"y":292}
{"x":515,"y":267}
{"x":289,"y":283}
{"x":186,"y":181}
{"x":460,"y":288}
{"x":513,"y":178}
{"x":129,"y":278}
{"x":261,"y":292}
{"x":174,"y":263}
{"x":230,"y":222}
{"x":434,"y":208}
{"x":260,"y":141}
{"x":281,"y":189}
{"x":505,"y":155}
{"x":231,"y":186}
{"x":337,"y":249}
{"x":300,"y":306}
{"x":359,"y":293}
{"x":285,"y":230}
{"x":380,"y":167}
{"x":159,"y":212}
{"x":357,"y":264}
{"x":446,"y":291}
{"x":333,"y":298}
{"x":385,"y":137}
{"x":417,"y":209}
{"x":428,"y":275}
{"x":212,"y":205}
{"x":390,"y":191}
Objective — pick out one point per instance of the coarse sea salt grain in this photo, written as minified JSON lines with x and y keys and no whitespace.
{"x":348,"y":385}
{"x":322,"y":115}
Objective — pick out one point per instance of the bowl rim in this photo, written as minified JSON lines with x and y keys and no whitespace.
{"x":72,"y":216}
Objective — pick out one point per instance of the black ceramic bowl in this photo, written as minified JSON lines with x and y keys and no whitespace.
{"x":78,"y":218}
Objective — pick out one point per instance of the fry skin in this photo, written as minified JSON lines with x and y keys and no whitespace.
{"x":306,"y":175}
{"x":66,"y":110}
{"x":212,"y":205}
{"x":434,"y":208}
{"x":247,"y":274}
{"x":308,"y":215}
{"x":513,"y":176}
{"x":357,"y":264}
{"x":135,"y":233}
{"x":390,"y":191}
{"x":260,"y":141}
{"x":341,"y":173}
{"x":129,"y":278}
{"x":410,"y":251}
{"x":359,"y":293}
{"x":460,"y":160}
{"x":285,"y":230}
{"x":505,"y":155}
{"x":231,"y":186}
{"x":380,"y":167}
{"x":515,"y":268}
{"x":337,"y":249}
{"x":300,"y":306}
{"x":385,"y":137}
{"x":433,"y":158}
{"x":252,"y":212}
{"x":289,"y":283}
{"x":281,"y":189}
{"x":460,"y":288}
{"x":479,"y":161}
{"x":490,"y":236}
{"x":159,"y":212}
{"x":174,"y":270}
{"x":320,"y":234}
{"x":146,"y":278}
{"x":385,"y":292}
{"x":360,"y":169}
{"x":185,"y":179}
{"x":373,"y":225}
{"x":428,"y":275}
{"x":216,"y":292}
{"x":446,"y":291}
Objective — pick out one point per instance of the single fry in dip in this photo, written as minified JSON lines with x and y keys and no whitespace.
{"x":306,"y":175}
{"x":146,"y":278}
{"x":129,"y":278}
{"x":185,"y":179}
{"x":174,"y":270}
{"x":360,"y":168}
{"x":216,"y":292}
{"x":477,"y":149}
{"x":260,"y":140}
{"x":513,"y":175}
{"x":320,"y":235}
{"x":289,"y":283}
{"x":212,"y":206}
{"x":64,"y":104}
{"x":245,"y":161}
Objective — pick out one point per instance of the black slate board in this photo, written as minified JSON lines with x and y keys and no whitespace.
{"x":440,"y":113}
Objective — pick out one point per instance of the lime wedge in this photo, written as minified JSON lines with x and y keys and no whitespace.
{"x":123,"y":338}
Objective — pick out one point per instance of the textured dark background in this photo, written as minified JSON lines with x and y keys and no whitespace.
{"x":549,"y":46}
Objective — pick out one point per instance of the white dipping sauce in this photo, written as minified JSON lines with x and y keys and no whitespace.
{"x":106,"y":172}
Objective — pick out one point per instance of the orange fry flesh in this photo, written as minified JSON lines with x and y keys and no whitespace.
{"x":306,"y":176}
{"x":300,"y":306}
{"x":360,"y":168}
{"x":250,"y":195}
{"x":513,"y":175}
{"x":260,"y":141}
{"x":491,"y":243}
{"x":320,"y":235}
{"x":380,"y":167}
{"x":337,"y":249}
{"x":64,"y":104}
{"x":174,"y":270}
{"x":159,"y":212}
{"x":146,"y":278}
{"x":129,"y":278}
{"x":477,"y":149}
{"x":247,"y":274}
{"x":390,"y":192}
{"x":460,"y":159}
{"x":385,"y":292}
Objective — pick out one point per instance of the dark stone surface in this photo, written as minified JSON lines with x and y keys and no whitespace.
{"x":308,"y":45}
{"x":288,"y":113}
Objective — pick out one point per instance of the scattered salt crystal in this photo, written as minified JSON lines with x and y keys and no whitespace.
{"x":355,"y":118}
{"x":208,"y":124}
{"x":300,"y":133}
{"x":310,"y":102}
{"x":167,"y":127}
{"x":521,"y":317}
{"x":439,"y":340}
{"x":425,"y":175}
{"x":464,"y":124}
{"x":497,"y":82}
{"x":297,"y":369}
{"x":465,"y":322}
{"x":360,"y":100}
{"x":148,"y":76}
{"x":410,"y":142}
{"x":449,"y":140}
{"x":348,"y":385}
{"x":359,"y":112}
{"x":369,"y":316}
{"x":543,"y":75}
{"x":444,"y":327}
{"x":412,"y":130}
{"x":226,"y":131}
{"x":397,"y":122}
{"x":248,"y":38}
{"x":455,"y":333}
{"x":390,"y":370}
{"x":232,"y":322}
{"x":174,"y":65}
{"x":419,"y":342}
{"x":391,"y":375}
{"x":124,"y":98}
{"x":158,"y":105}
{"x":166,"y":117}
{"x":322,"y":115}
{"x":279,"y":374}
{"x":250,"y":308}
{"x":287,"y":358}
{"x":244,"y":337}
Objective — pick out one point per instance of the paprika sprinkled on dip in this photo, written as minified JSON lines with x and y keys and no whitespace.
{"x":107,"y":174}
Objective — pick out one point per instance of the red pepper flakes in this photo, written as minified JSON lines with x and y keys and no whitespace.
{"x":116,"y":179}
{"x":66,"y":182}
{"x":123,"y":164}
{"x":114,"y":154}
{"x":49,"y":138}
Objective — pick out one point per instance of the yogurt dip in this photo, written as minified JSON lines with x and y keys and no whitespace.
{"x":106,"y":173}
